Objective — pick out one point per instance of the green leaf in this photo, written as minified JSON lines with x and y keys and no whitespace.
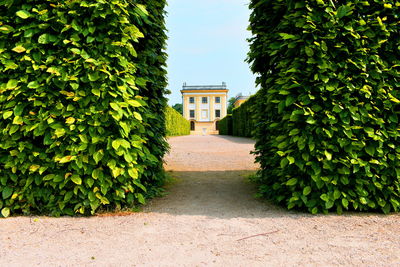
{"x":314,"y":210}
{"x":133,"y":173}
{"x":286,"y":36}
{"x":70,"y":120}
{"x":96,"y":92}
{"x":7,"y":114}
{"x":53,"y":70}
{"x":116,"y":172}
{"x":336,"y":194}
{"x":137,"y":116}
{"x":6,"y":29}
{"x":363,"y":200}
{"x":76,"y":179}
{"x":7,"y":192}
{"x":386,"y":208}
{"x":5,"y":212}
{"x":143,"y":9}
{"x":284,"y":162}
{"x":311,"y":146}
{"x":294,"y":132}
{"x":76,"y":51}
{"x":324,"y":197}
{"x":345,"y":203}
{"x":93,"y":76}
{"x":328,"y":155}
{"x":90,"y":182}
{"x":59,"y":132}
{"x":291,"y":160}
{"x":134,"y":103}
{"x":19,"y":49}
{"x":329,"y":204}
{"x":116,"y":144}
{"x":291,"y":182}
{"x":97,"y":173}
{"x":18,"y":120}
{"x":115,"y":106}
{"x":12,"y":84}
{"x":307,"y":190}
{"x":125,"y":127}
{"x":289,"y":100}
{"x":33,"y":85}
{"x":140,"y":198}
{"x":310,"y":120}
{"x":67,"y":159}
{"x":370,"y":150}
{"x":343,"y":11}
{"x":46,"y":38}
{"x":10,"y":65}
{"x":23,"y":14}
{"x":18,"y":110}
{"x":97,"y":156}
{"x":309,"y":51}
{"x":48,"y":177}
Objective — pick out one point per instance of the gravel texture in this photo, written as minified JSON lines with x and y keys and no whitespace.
{"x":209,"y":218}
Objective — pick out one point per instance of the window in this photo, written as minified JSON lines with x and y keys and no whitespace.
{"x":191,"y":100}
{"x":191,"y":113}
{"x":192,"y":126}
{"x":217,"y":99}
{"x":204,"y":100}
{"x":217,"y":113}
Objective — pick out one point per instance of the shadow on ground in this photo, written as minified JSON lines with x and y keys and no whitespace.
{"x":236,"y":139}
{"x":218,"y":194}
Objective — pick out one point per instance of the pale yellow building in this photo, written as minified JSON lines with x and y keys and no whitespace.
{"x":204,"y":106}
{"x":240,"y":99}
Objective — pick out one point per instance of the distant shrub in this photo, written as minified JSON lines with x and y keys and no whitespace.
{"x":243,"y":123}
{"x":176,"y":124}
{"x":328,"y":108}
{"x":225,"y":125}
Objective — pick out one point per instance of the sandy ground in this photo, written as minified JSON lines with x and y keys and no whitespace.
{"x":209,"y":218}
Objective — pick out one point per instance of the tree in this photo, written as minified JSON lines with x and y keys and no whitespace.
{"x":178,"y":107}
{"x":231,"y":103}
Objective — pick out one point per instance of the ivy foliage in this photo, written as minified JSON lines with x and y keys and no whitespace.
{"x":328,"y":109}
{"x":176,"y":124}
{"x":81,"y":87}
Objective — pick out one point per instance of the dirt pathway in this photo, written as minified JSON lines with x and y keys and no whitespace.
{"x":209,"y":218}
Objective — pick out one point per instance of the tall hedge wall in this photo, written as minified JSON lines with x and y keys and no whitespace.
{"x":176,"y":124}
{"x":243,"y":123}
{"x":81,"y":84}
{"x":225,"y":125}
{"x":329,"y":104}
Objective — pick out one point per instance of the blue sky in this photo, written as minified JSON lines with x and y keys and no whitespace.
{"x":207,"y":45}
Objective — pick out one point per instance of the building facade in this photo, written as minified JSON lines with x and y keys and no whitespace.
{"x":204,"y":106}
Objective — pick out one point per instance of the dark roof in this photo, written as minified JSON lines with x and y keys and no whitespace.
{"x":204,"y":87}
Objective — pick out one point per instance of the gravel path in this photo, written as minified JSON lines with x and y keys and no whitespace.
{"x":209,"y":218}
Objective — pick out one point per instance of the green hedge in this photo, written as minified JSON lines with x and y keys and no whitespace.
{"x":82,"y":84}
{"x":328,"y":109}
{"x":243,"y":123}
{"x":176,"y":124}
{"x":225,"y":125}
